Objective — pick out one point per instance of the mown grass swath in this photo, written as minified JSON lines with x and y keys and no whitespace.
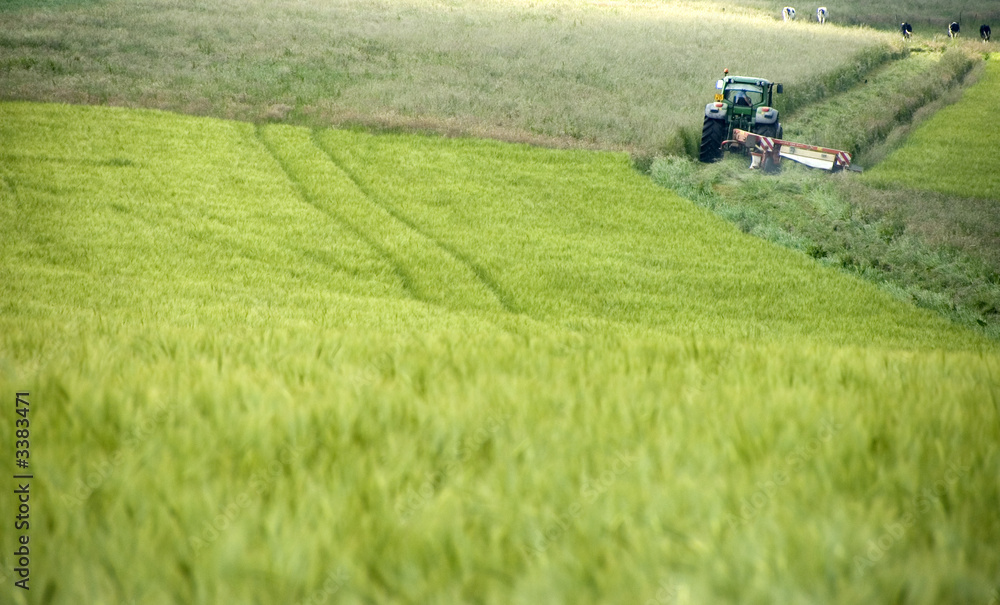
{"x":282,"y":365}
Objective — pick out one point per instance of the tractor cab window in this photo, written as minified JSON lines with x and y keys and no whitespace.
{"x":744,"y":95}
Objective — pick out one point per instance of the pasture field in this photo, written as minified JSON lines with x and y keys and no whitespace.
{"x":952,"y":152}
{"x":929,"y":18}
{"x":279,"y":364}
{"x":563,"y":73}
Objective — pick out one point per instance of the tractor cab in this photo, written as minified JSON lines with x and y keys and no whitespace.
{"x":744,"y":95}
{"x":750,"y":93}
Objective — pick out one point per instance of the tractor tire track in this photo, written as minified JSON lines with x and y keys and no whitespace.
{"x":405,"y":279}
{"x":505,"y":299}
{"x":428,"y":272}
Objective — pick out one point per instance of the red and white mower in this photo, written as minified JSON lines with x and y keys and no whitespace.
{"x":766,"y":153}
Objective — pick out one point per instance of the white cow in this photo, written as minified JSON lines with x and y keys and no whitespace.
{"x":821,"y":14}
{"x":788,"y":13}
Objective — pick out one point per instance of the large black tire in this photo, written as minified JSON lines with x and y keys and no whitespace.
{"x":772,"y":131}
{"x":713,"y":132}
{"x":767,"y":130}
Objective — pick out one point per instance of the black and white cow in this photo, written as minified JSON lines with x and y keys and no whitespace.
{"x":906,"y":29}
{"x":788,"y":13}
{"x":821,"y":14}
{"x":984,"y":32}
{"x":953,"y":30}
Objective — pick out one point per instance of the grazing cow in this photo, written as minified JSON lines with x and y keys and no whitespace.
{"x":953,"y":30}
{"x":788,"y":13}
{"x":821,"y":14}
{"x":906,"y":29}
{"x":984,"y":32}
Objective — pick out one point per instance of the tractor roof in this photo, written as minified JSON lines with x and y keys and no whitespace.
{"x":746,"y":80}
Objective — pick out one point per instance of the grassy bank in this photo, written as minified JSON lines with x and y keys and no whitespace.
{"x":274,"y":364}
{"x":936,"y":251}
{"x":952,"y":152}
{"x":882,"y":106}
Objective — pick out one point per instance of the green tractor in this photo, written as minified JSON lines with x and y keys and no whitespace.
{"x":743,"y":103}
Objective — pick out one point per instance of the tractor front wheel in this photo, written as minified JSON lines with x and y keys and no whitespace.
{"x":713,"y":132}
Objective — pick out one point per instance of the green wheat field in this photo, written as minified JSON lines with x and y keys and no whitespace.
{"x":320,"y":355}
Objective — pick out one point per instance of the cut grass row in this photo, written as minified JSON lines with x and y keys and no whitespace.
{"x":239,"y":398}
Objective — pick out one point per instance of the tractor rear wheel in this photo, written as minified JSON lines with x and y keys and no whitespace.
{"x":713,"y":132}
{"x":767,"y":130}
